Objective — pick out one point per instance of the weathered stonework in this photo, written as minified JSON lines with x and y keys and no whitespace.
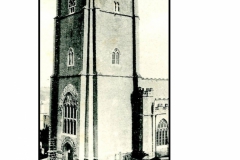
{"x":100,"y":90}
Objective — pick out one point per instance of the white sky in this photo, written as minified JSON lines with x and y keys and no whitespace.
{"x":153,"y":27}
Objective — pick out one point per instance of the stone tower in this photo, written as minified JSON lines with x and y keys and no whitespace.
{"x":94,"y":88}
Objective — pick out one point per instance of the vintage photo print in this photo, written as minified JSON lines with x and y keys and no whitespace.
{"x":104,"y":80}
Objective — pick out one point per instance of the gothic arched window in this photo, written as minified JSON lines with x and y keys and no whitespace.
{"x":71,"y":6}
{"x":162,"y":133}
{"x":116,"y":6}
{"x":116,"y":56}
{"x":70,"y":59}
{"x":70,"y":111}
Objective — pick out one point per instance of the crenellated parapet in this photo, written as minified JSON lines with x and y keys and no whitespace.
{"x":161,"y":103}
{"x":153,"y":79}
{"x":146,"y":92}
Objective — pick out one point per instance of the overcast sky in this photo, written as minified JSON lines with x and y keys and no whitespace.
{"x":153,"y":27}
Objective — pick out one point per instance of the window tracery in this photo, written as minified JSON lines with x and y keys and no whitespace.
{"x":116,"y":6}
{"x":70,"y":114}
{"x":162,"y":133}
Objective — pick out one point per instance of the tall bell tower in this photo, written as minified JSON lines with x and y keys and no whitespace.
{"x":94,"y":103}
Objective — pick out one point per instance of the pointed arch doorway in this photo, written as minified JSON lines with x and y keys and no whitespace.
{"x":68,"y":149}
{"x":67,"y":152}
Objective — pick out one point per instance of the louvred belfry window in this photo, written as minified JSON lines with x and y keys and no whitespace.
{"x":116,"y":56}
{"x":113,"y":58}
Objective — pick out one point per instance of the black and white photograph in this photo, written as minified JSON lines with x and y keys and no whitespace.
{"x":120,"y":80}
{"x":104,"y":80}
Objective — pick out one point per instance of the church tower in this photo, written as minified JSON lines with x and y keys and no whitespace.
{"x":94,"y":87}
